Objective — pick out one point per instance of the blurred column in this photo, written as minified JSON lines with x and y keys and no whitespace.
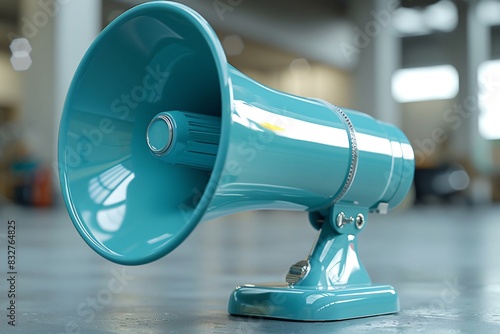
{"x":59,"y":32}
{"x":470,"y":47}
{"x":37,"y":105}
{"x":461,"y":144}
{"x":480,"y":149}
{"x":479,"y":51}
{"x":379,"y":56}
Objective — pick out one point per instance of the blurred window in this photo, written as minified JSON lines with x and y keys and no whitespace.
{"x":488,"y":12}
{"x":425,"y":83}
{"x":439,"y":17}
{"x":489,"y":99}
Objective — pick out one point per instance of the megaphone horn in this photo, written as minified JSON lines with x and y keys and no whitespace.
{"x":159,"y":133}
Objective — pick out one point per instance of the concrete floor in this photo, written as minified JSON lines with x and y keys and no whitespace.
{"x":444,"y":262}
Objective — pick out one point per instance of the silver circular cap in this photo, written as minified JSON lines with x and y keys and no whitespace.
{"x":159,"y":134}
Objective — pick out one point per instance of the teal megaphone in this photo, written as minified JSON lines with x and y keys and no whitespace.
{"x":159,"y":133}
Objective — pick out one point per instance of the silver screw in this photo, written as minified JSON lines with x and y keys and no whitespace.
{"x":340,"y":219}
{"x":297,"y":272}
{"x":360,"y":221}
{"x":343,"y":220}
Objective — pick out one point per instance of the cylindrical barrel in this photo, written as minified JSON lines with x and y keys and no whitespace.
{"x":288,"y":152}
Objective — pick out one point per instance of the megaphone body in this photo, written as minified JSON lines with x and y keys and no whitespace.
{"x":159,"y":133}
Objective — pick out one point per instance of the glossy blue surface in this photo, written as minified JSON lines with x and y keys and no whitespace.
{"x":186,"y":139}
{"x":336,"y":286}
{"x":130,"y":206}
{"x":313,"y":305}
{"x":276,"y":151}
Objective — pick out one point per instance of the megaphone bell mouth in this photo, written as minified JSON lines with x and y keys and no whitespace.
{"x":129,"y":180}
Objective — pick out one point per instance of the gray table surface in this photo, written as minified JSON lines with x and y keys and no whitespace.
{"x":443,"y":261}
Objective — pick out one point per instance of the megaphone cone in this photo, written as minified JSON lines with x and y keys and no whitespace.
{"x":159,"y":133}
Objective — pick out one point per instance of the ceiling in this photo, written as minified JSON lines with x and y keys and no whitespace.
{"x":313,"y":29}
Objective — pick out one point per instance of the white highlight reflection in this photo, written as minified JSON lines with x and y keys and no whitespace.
{"x":289,"y":127}
{"x":258,"y":119}
{"x":110,"y":220}
{"x":109,"y":192}
{"x":373,"y":144}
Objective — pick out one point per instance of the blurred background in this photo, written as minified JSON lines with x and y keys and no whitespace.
{"x":430,"y":67}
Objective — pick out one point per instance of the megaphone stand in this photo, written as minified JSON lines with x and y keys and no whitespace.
{"x":332,"y":284}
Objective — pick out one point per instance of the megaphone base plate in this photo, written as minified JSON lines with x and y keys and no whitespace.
{"x":281,"y":301}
